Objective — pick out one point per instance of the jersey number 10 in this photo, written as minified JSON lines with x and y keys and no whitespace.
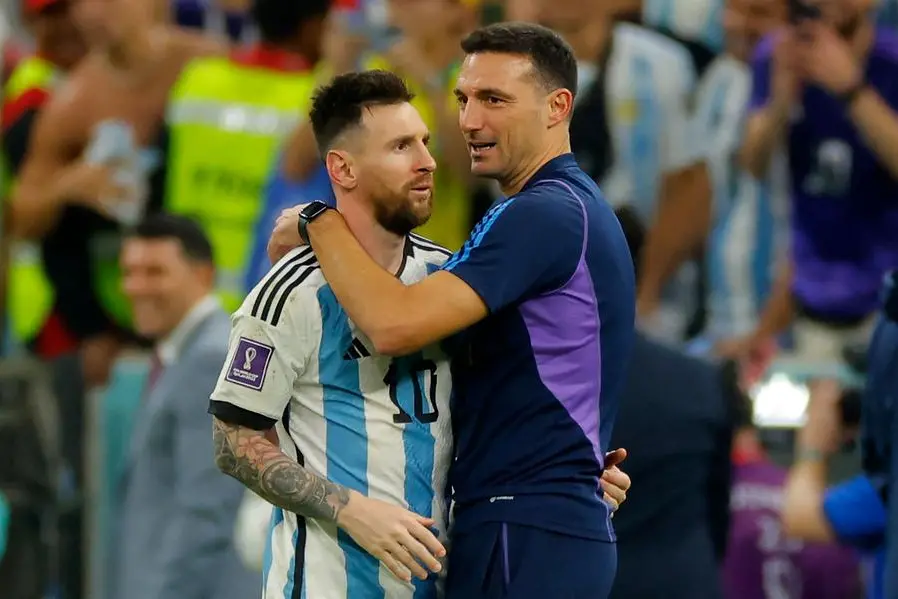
{"x":406,"y":375}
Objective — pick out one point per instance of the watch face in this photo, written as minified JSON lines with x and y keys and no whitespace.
{"x":313,"y":210}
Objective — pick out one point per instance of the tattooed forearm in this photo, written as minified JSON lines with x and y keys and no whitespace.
{"x":248,"y":456}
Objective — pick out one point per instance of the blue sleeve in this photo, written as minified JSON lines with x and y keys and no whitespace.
{"x":760,"y":74}
{"x":528,"y":245}
{"x":856,"y":512}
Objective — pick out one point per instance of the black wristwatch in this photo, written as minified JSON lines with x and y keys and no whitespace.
{"x":312,"y":211}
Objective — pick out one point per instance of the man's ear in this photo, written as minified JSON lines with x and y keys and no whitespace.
{"x":561,"y":104}
{"x":340,"y":169}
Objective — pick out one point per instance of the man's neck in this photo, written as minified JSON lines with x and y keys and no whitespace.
{"x":385,"y":248}
{"x":199,"y":298}
{"x":517,"y":180}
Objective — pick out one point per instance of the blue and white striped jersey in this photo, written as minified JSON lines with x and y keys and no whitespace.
{"x":650,"y":84}
{"x":375,"y":424}
{"x":751,"y":217}
{"x":650,"y":88}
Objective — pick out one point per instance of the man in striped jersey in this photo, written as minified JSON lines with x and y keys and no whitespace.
{"x":359,"y":434}
{"x":751,"y":215}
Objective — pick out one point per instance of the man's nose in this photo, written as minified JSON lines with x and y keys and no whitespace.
{"x":427,"y":164}
{"x":470,"y":117}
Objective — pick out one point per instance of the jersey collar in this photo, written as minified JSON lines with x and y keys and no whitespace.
{"x":552,"y":169}
{"x":269,"y":57}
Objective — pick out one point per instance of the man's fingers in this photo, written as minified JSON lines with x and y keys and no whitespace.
{"x":617,"y":494}
{"x":615,"y":477}
{"x":425,"y":521}
{"x":615,"y":457}
{"x":404,"y":556}
{"x":421,"y":553}
{"x":611,"y":501}
{"x":393,"y":565}
{"x":429,"y":540}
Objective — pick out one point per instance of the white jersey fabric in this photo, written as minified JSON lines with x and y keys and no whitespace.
{"x":375,"y":424}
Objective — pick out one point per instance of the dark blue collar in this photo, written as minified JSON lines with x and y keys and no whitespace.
{"x":552,"y":169}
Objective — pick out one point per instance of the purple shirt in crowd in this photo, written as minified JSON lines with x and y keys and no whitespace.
{"x":844,"y":201}
{"x":762,"y":564}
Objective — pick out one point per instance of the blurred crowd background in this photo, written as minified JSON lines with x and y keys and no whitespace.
{"x":148,"y":146}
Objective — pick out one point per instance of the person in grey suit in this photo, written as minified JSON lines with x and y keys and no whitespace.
{"x":676,"y":419}
{"x":173,"y":538}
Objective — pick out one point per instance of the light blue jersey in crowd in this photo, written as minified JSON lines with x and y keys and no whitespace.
{"x":751,"y":217}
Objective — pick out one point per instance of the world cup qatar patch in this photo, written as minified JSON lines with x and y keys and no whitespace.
{"x":250,"y":364}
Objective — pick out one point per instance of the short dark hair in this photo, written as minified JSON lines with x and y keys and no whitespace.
{"x":552,"y":57}
{"x":338,"y":105}
{"x":187,"y":232}
{"x":280,"y":20}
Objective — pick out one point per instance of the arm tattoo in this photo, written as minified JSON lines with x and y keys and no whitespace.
{"x":248,"y":456}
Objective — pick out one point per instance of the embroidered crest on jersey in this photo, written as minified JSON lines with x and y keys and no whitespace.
{"x":250,"y":364}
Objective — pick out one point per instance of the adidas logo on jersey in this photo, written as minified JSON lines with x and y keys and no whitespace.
{"x":357,"y":350}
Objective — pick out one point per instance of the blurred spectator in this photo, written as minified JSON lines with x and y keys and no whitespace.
{"x":751,"y":216}
{"x":92,"y":163}
{"x":672,"y":532}
{"x":227,"y":120}
{"x":59,"y":46}
{"x":427,"y":55}
{"x":174,"y":537}
{"x":823,"y":86}
{"x":853,"y":512}
{"x":30,"y":309}
{"x":763,"y":561}
{"x":630,"y":133}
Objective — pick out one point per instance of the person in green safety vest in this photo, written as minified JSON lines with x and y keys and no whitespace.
{"x":94,"y":165}
{"x":227,"y":118}
{"x":59,"y":47}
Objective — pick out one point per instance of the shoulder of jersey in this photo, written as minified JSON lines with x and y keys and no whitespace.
{"x":653,"y":46}
{"x":427,"y":251}
{"x":293,"y":274}
{"x":724,"y":72}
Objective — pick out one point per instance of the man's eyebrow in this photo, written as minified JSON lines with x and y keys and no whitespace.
{"x":485,"y":92}
{"x":401,"y":139}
